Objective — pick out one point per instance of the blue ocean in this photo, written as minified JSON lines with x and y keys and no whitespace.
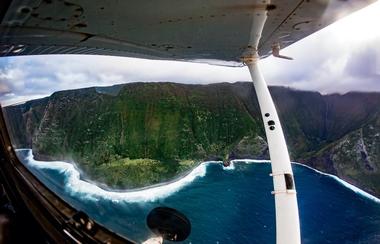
{"x":224,"y":205}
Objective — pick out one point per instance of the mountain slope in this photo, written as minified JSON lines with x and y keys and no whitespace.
{"x":355,"y":157}
{"x":167,"y":124}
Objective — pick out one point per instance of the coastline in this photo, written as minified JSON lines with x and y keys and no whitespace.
{"x":75,"y":185}
{"x":160,"y":190}
{"x":355,"y":189}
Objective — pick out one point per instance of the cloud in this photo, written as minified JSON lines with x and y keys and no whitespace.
{"x":364,"y":63}
{"x":4,"y":89}
{"x":340,"y":58}
{"x":330,"y":69}
{"x":45,"y":74}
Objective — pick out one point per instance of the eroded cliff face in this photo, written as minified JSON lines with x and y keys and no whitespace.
{"x":355,"y":157}
{"x":171,"y":122}
{"x":24,"y":120}
{"x":156,"y":121}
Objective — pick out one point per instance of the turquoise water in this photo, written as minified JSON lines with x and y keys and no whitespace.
{"x":224,"y":206}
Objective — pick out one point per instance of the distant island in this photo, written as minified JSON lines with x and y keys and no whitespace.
{"x":139,"y":134}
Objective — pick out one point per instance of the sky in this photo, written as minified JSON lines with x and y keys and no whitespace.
{"x":342,"y":57}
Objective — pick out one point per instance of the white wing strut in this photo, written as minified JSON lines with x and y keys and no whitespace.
{"x":287,"y":219}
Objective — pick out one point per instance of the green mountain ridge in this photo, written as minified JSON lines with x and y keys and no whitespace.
{"x":107,"y":130}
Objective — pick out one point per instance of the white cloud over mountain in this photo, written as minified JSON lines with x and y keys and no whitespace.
{"x":340,"y":58}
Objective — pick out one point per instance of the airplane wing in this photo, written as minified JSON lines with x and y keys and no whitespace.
{"x":213,"y":31}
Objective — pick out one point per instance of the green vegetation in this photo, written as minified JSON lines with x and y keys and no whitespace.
{"x":139,"y":134}
{"x":355,"y":157}
{"x":131,"y":173}
{"x":163,"y":124}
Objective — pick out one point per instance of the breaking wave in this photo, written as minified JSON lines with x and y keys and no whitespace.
{"x":230,"y":167}
{"x":344,"y":183}
{"x":246,"y":161}
{"x":74,"y":185}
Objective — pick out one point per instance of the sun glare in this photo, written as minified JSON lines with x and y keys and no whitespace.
{"x":359,"y":26}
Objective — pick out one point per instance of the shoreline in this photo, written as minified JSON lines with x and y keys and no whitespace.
{"x":168,"y":187}
{"x":353,"y":188}
{"x":139,"y":189}
{"x":75,"y":185}
{"x":104,"y":187}
{"x":174,"y":180}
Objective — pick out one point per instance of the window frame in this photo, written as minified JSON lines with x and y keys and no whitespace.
{"x":58,"y":219}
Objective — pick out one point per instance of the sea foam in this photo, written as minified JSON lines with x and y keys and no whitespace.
{"x":344,"y":183}
{"x":229,"y":167}
{"x":76,"y":186}
{"x":339,"y":180}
